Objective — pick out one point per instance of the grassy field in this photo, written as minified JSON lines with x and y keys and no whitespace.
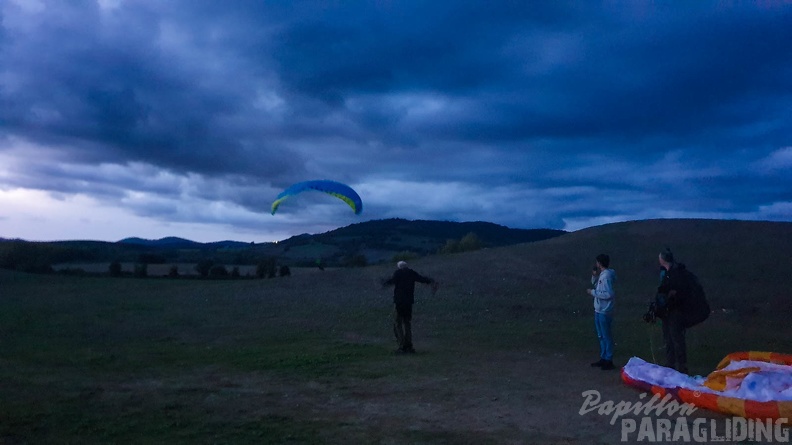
{"x":503,"y":348}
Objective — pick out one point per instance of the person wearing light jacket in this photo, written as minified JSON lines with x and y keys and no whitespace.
{"x":603,"y":279}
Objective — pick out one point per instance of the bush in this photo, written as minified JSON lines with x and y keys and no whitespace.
{"x":114,"y":269}
{"x":203,"y":267}
{"x":141,"y":270}
{"x":468,"y":242}
{"x":451,"y":246}
{"x":266,"y":268}
{"x":285,"y":271}
{"x":173,"y":272}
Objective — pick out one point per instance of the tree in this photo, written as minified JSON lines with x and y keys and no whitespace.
{"x":266,"y":268}
{"x":468,"y":242}
{"x":141,"y":270}
{"x":114,"y":269}
{"x":204,"y":266}
{"x":28,"y":256}
{"x":451,"y":246}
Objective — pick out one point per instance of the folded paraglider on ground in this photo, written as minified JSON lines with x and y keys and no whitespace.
{"x":747,"y":384}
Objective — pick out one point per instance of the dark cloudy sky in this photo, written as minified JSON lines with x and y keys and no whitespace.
{"x":186,"y":118}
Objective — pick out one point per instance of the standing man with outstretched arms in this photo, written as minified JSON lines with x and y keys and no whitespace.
{"x":403,"y":282}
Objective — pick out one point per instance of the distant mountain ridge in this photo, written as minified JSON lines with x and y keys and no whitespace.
{"x":180,"y":243}
{"x":490,"y":233}
{"x":368,"y":242}
{"x":380,"y":240}
{"x":167,"y":241}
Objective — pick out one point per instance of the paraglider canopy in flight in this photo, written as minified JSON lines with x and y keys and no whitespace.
{"x":337,"y":189}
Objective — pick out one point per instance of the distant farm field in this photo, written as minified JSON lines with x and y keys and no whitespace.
{"x":503,"y":348}
{"x":161,"y":270}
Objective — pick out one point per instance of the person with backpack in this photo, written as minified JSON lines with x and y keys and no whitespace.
{"x":681,"y":305}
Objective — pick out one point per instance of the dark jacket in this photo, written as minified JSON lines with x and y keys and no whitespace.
{"x":686,"y":296}
{"x":404,"y":281}
{"x":675,"y":286}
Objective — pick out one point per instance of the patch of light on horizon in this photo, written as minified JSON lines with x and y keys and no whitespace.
{"x":34,"y":215}
{"x":159,"y":201}
{"x":575,"y":224}
{"x":131,"y":178}
{"x":780,"y":211}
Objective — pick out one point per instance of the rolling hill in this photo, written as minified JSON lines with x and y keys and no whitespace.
{"x":367,"y":242}
{"x":540,"y":287}
{"x":380,"y":240}
{"x":742,"y":264}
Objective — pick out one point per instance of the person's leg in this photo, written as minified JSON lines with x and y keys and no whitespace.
{"x":602,"y":332}
{"x":669,"y":344}
{"x":678,"y":339}
{"x":407,"y":319}
{"x":598,"y":327}
{"x":398,"y":328}
{"x":606,"y":341}
{"x":607,"y":337}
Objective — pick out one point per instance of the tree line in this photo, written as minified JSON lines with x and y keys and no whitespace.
{"x":39,"y":257}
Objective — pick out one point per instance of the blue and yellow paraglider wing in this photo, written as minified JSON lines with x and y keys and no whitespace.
{"x":337,"y":189}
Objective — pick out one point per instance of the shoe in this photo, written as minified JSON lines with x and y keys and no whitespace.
{"x":607,"y":365}
{"x":598,"y":363}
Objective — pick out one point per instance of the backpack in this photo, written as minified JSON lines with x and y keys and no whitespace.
{"x":695,"y":308}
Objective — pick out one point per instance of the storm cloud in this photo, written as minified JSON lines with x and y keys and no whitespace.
{"x":186,"y":114}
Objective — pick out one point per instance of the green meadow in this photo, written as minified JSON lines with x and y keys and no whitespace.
{"x":503,"y":347}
